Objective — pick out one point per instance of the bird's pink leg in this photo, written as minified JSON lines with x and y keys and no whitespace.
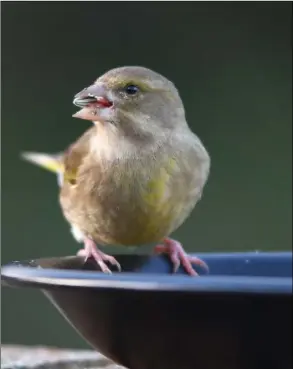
{"x":178,"y":256}
{"x":91,"y":250}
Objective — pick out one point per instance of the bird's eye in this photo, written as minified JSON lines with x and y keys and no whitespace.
{"x":131,"y":89}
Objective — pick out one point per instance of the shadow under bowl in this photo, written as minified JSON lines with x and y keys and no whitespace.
{"x":236,"y":317}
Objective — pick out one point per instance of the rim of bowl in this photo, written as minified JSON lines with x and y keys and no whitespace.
{"x":19,"y":274}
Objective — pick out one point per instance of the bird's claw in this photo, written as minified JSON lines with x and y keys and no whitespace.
{"x":91,"y":251}
{"x":178,"y":256}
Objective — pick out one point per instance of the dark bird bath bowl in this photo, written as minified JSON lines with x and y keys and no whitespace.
{"x":236,"y":317}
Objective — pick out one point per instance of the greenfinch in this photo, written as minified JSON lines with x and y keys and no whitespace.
{"x":136,"y":174}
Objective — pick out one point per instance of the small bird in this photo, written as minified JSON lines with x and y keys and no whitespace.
{"x":136,"y":174}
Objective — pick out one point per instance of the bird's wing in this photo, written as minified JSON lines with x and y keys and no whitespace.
{"x":64,"y":164}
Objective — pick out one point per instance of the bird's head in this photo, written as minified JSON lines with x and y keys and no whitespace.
{"x":132,"y":99}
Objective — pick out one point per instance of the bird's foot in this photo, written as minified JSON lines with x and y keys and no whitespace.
{"x":178,"y":256}
{"x":90,"y":250}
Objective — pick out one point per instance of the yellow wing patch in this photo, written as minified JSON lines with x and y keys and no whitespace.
{"x":70,"y":176}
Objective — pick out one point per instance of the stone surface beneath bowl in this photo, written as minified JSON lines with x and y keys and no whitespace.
{"x":42,"y":357}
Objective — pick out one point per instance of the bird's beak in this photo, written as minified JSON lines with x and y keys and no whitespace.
{"x":94,"y":94}
{"x":92,"y":100}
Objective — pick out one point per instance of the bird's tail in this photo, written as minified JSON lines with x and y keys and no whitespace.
{"x":51,"y":162}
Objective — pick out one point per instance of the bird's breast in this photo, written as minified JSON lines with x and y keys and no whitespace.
{"x":126,"y":204}
{"x":136,"y":199}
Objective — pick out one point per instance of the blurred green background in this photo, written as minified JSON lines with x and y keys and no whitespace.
{"x":232,"y":64}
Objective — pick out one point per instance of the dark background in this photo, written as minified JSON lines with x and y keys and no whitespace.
{"x":232,"y":64}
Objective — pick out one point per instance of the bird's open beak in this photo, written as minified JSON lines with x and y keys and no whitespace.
{"x":84,"y":101}
{"x":91,"y":100}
